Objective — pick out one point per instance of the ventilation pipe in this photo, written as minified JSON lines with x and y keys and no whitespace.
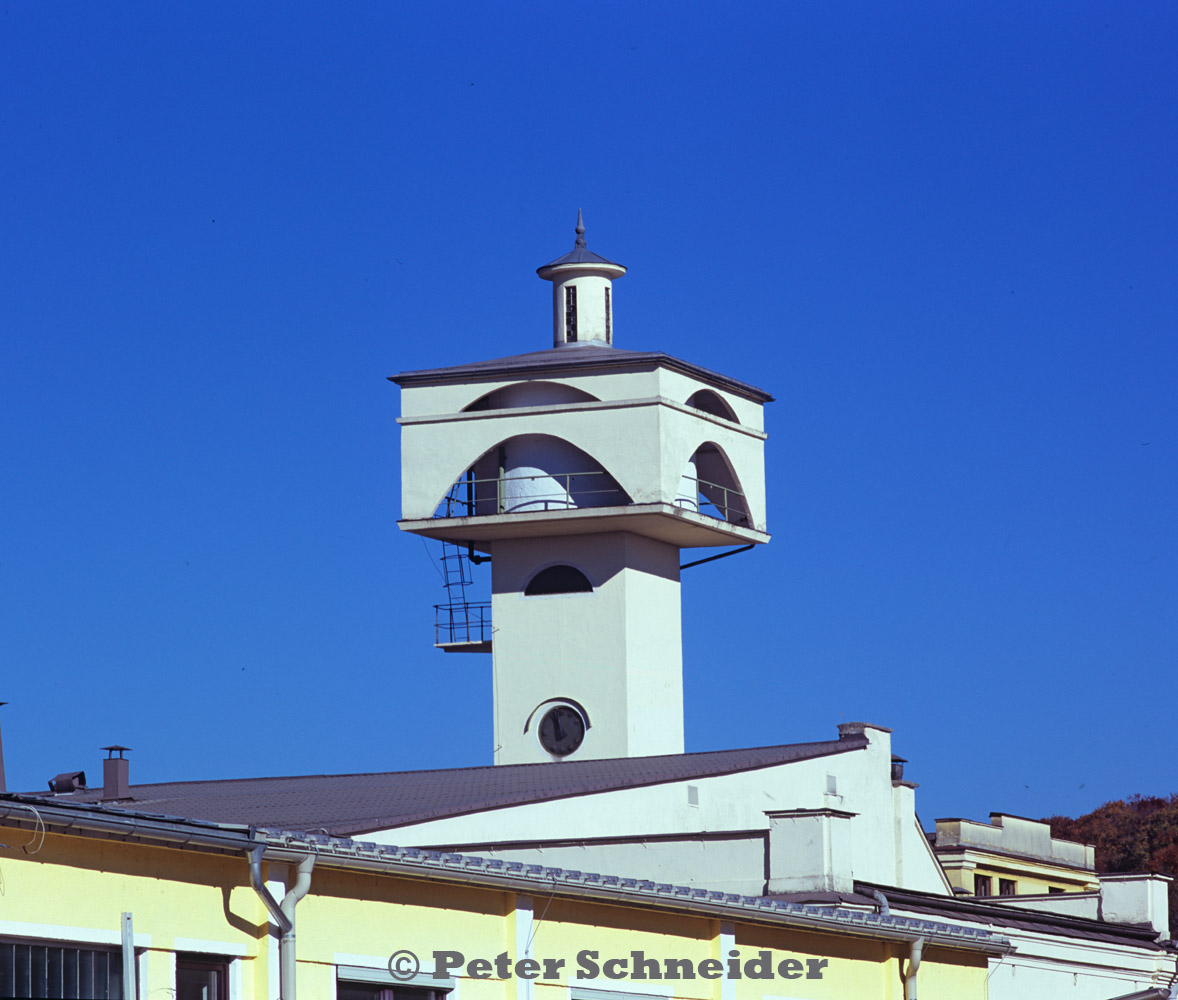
{"x":915,"y":949}
{"x":283,"y":914}
{"x":3,"y":786}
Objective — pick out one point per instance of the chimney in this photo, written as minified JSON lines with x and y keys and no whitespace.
{"x":1136,"y":898}
{"x":3,"y":786}
{"x":810,"y":850}
{"x":116,"y":774}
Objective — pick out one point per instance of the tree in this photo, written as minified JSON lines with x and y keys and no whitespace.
{"x":1140,"y":834}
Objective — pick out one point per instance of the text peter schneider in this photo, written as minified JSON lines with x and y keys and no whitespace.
{"x":404,"y":965}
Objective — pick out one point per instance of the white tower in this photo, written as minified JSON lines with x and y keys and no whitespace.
{"x":582,"y":470}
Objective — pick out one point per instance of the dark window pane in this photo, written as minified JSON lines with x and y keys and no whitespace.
{"x":358,"y":991}
{"x":24,"y":965}
{"x":40,"y":972}
{"x":56,"y":975}
{"x":70,"y":974}
{"x":201,"y":980}
{"x":7,"y":968}
{"x":114,"y":976}
{"x":86,"y":974}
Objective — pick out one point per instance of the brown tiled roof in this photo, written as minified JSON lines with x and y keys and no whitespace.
{"x":587,"y":356}
{"x":351,"y":804}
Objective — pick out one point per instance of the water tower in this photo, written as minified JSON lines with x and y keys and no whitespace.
{"x":581,"y":471}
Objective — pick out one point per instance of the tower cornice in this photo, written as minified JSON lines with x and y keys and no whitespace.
{"x":579,"y":359}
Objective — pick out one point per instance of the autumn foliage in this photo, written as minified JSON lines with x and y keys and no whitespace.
{"x":1137,"y":835}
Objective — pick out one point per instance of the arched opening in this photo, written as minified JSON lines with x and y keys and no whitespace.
{"x":511,"y":397}
{"x":558,"y":580}
{"x":529,"y":473}
{"x":709,"y":486}
{"x":713,"y":403}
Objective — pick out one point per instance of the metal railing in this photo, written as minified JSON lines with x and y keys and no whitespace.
{"x":715,"y":500}
{"x":455,"y":624}
{"x":466,"y":499}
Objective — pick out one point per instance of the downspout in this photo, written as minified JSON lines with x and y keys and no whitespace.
{"x":879,"y":897}
{"x":913,"y":965}
{"x":283,"y":914}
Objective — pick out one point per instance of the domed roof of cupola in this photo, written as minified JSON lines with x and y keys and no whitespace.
{"x":583,"y":256}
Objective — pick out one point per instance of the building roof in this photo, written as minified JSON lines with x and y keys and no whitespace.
{"x":998,"y":916}
{"x":581,"y":357}
{"x":348,"y":804}
{"x":579,"y":254}
{"x":38,"y":816}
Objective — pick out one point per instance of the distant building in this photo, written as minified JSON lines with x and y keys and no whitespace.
{"x":1012,"y":856}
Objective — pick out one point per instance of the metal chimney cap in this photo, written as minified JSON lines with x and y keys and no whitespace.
{"x":113,"y":749}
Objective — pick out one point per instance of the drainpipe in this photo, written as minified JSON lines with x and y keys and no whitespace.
{"x":913,"y":965}
{"x":283,"y":914}
{"x":884,"y":909}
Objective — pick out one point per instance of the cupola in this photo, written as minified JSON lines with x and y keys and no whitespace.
{"x":582,"y":294}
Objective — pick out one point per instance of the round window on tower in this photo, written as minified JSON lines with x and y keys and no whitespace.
{"x":561,"y":730}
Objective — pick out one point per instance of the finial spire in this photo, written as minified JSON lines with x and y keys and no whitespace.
{"x":580,"y":230}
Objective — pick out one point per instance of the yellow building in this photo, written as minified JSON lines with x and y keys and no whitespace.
{"x":1012,"y":856}
{"x":81,"y":881}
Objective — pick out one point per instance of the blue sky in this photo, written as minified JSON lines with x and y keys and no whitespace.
{"x":943,"y":236}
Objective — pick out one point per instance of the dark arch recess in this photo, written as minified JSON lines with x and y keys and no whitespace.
{"x":558,"y":580}
{"x":531,"y":394}
{"x":713,"y":403}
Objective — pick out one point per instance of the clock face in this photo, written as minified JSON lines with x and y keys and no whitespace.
{"x":561,"y":730}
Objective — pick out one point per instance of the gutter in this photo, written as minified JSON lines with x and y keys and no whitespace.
{"x":166,"y":830}
{"x":472,"y":870}
{"x":283,"y":914}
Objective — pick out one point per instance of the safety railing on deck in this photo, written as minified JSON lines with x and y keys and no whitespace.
{"x":716,"y":501}
{"x":462,"y":623}
{"x":470,"y":497}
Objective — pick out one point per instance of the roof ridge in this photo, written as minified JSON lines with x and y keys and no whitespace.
{"x":497,"y":768}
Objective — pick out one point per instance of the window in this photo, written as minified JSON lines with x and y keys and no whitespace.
{"x":981,"y":885}
{"x":608,"y":320}
{"x":380,"y":991}
{"x":201,"y":978}
{"x":60,"y":971}
{"x":1054,"y":890}
{"x":570,"y":314}
{"x":558,"y":580}
{"x":1007,"y":887}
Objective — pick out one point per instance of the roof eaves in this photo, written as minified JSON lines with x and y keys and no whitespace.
{"x":472,"y":868}
{"x":603,"y":359}
{"x":972,"y":909}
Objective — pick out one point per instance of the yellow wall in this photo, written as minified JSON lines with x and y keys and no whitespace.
{"x":1033,"y":877}
{"x":186,"y":900}
{"x":84,"y":885}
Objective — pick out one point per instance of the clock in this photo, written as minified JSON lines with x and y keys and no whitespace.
{"x":562,"y":730}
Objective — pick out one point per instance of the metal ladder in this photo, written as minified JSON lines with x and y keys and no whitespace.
{"x":459,"y":622}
